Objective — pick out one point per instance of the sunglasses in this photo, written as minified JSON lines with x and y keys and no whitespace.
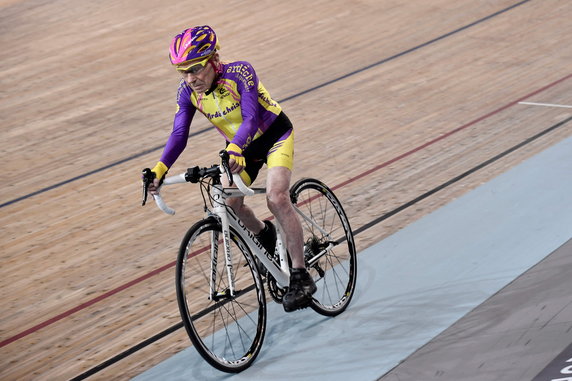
{"x":195,"y":69}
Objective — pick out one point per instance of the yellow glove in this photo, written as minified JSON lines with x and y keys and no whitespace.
{"x":235,"y":153}
{"x":160,"y":170}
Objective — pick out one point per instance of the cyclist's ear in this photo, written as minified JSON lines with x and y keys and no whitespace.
{"x":215,"y":60}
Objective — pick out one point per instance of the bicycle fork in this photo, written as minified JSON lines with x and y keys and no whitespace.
{"x":221,"y":212}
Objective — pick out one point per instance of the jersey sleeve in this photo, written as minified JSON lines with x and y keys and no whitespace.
{"x":247,"y":83}
{"x":181,"y":127}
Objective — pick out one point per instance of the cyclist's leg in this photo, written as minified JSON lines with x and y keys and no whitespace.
{"x":274,"y":143}
{"x":264,"y":230}
{"x":280,"y":161}
{"x":278,"y":200}
{"x":244,"y":212}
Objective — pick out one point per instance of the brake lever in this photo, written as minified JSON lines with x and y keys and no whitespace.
{"x":147,"y":178}
{"x":224,"y":161}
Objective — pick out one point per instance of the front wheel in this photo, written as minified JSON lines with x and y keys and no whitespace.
{"x":226,"y":327}
{"x":329,"y":247}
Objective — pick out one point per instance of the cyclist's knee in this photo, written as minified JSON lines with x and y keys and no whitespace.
{"x":277,"y":200}
{"x":235,"y":203}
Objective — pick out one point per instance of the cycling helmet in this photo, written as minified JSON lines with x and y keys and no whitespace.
{"x":192,"y":46}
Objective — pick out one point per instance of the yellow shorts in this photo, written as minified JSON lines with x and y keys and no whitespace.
{"x":282,"y":153}
{"x":275,"y":148}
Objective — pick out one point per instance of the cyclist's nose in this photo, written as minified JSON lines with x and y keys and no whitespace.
{"x":189,"y":78}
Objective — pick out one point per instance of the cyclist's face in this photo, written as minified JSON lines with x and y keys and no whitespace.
{"x":199,"y":77}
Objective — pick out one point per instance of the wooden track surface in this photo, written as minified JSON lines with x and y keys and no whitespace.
{"x":87,"y":89}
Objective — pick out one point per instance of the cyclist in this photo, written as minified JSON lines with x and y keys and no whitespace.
{"x":256,"y":131}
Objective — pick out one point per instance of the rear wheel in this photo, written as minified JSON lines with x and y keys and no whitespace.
{"x":226,"y":328}
{"x":329,"y":248}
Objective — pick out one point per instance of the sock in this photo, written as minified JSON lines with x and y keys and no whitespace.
{"x":264,"y":230}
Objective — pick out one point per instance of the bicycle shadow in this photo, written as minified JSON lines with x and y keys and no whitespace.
{"x":387,"y":320}
{"x":370,"y":338}
{"x":376,"y":332}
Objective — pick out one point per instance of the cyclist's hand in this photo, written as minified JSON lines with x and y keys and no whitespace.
{"x":154,"y":186}
{"x":160,"y":170}
{"x":236,"y":162}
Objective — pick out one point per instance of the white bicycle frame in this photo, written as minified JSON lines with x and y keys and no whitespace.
{"x":280,"y":271}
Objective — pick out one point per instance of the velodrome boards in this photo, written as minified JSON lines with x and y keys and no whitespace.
{"x":391,"y":101}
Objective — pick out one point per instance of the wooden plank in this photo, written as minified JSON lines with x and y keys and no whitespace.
{"x":87,"y":84}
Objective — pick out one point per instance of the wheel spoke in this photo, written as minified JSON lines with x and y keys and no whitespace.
{"x":227,"y":330}
{"x":329,"y":245}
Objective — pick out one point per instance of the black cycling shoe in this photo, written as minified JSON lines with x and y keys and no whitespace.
{"x":267,"y":237}
{"x":300,"y":292}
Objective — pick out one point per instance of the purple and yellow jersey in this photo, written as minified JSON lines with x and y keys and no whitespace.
{"x":239,"y":107}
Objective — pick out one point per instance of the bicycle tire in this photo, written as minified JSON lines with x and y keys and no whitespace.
{"x":227,"y":331}
{"x":335,"y":272}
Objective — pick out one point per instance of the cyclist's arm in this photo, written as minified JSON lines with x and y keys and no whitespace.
{"x":247,"y":83}
{"x":179,"y":135}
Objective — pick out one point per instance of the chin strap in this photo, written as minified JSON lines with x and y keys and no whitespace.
{"x":218,"y":72}
{"x":217,"y":69}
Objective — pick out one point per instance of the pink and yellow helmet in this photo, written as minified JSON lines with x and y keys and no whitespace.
{"x":192,"y":46}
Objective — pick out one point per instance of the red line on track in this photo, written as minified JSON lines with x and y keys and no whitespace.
{"x":480,"y":119}
{"x":86,"y":304}
{"x":351,"y":180}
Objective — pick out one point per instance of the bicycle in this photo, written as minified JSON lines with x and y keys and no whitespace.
{"x":221,"y":266}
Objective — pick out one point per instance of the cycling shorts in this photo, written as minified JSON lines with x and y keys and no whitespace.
{"x":275,"y":148}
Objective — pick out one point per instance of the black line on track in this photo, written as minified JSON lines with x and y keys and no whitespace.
{"x":459,"y":177}
{"x":327,"y":83}
{"x":361,"y":229}
{"x":128,"y":352}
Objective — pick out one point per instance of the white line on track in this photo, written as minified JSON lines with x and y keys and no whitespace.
{"x":543,"y":104}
